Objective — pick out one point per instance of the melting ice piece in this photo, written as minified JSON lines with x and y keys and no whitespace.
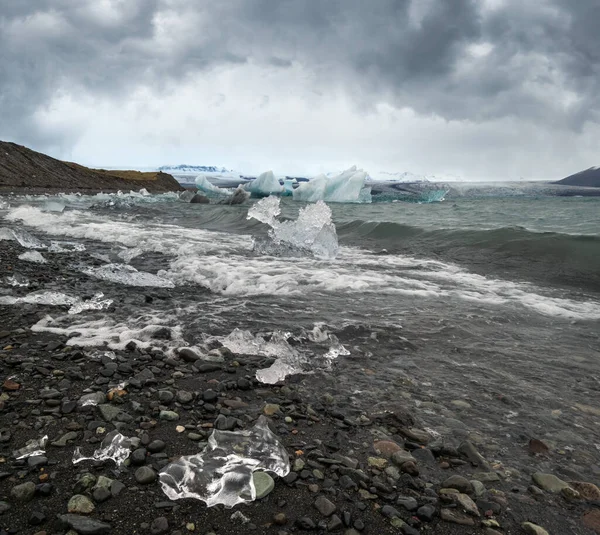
{"x":347,"y":187}
{"x":95,"y":303}
{"x":222,"y":472}
{"x":276,"y":372}
{"x":209,"y":189}
{"x":17,"y":280}
{"x":335,"y":350}
{"x":264,"y":185}
{"x":313,"y":232}
{"x":33,"y":256}
{"x":40,"y":298}
{"x":27,"y":240}
{"x":114,"y":447}
{"x":65,"y":247}
{"x":53,"y":206}
{"x":32,"y":447}
{"x":128,"y":275}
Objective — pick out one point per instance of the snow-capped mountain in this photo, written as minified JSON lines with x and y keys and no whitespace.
{"x":184,"y":169}
{"x":407,"y":176}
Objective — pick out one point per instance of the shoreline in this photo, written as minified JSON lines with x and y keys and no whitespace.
{"x":379,"y":472}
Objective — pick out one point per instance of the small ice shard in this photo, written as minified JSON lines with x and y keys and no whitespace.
{"x":114,"y":447}
{"x":276,"y":372}
{"x":17,"y":280}
{"x":54,"y":206}
{"x":347,"y":187}
{"x":335,"y":350}
{"x":6,"y":234}
{"x":222,"y":472}
{"x":313,"y":232}
{"x":33,"y":256}
{"x":128,"y":275}
{"x":65,"y":247}
{"x":40,"y":298}
{"x":95,"y":303}
{"x":264,"y":185}
{"x":209,"y":189}
{"x":32,"y":447}
{"x":27,"y":240}
{"x":129,"y":254}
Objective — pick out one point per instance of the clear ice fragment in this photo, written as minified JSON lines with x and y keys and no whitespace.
{"x":128,"y":275}
{"x":115,"y":447}
{"x":27,"y":240}
{"x":95,"y":303}
{"x":33,"y":256}
{"x":222,"y":472}
{"x":32,"y":447}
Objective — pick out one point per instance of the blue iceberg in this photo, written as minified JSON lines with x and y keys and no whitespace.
{"x":264,"y":185}
{"x":347,"y":187}
{"x":209,"y":189}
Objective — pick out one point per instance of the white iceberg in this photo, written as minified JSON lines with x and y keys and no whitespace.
{"x":347,"y":187}
{"x":209,"y":189}
{"x":264,"y":185}
{"x":222,"y":472}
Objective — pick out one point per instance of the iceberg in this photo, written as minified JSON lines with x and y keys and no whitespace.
{"x":208,"y":189}
{"x":347,"y":187}
{"x":265,"y":185}
{"x":288,"y":187}
{"x":223,"y":472}
{"x":33,"y":256}
{"x":312,"y":233}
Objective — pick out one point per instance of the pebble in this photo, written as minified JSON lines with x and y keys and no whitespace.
{"x":409,"y":503}
{"x":426,"y":513}
{"x":156,"y":446}
{"x":459,"y":483}
{"x":169,"y":416}
{"x":549,"y":482}
{"x":305,"y":523}
{"x":80,"y":504}
{"x":85,"y":525}
{"x":271,"y":409}
{"x":324,"y":506}
{"x":533,"y":529}
{"x":263,"y":483}
{"x":280,"y":519}
{"x":145,"y":475}
{"x":456,"y":517}
{"x":159,"y":526}
{"x":23,"y":492}
{"x":466,"y":503}
{"x":587,"y":491}
{"x":386,"y":448}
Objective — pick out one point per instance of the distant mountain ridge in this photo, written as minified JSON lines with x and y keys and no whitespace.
{"x":589,"y":178}
{"x":188,"y":169}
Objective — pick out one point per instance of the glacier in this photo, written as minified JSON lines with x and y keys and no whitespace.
{"x":313,"y":233}
{"x":347,"y":187}
{"x":264,"y":185}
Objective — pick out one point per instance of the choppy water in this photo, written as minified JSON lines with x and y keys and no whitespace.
{"x":492,"y":301}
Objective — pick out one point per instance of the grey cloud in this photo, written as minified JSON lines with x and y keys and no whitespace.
{"x":543,"y":65}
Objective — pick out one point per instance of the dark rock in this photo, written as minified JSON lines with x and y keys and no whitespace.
{"x":188,"y":355}
{"x":324,"y":506}
{"x":36,"y":518}
{"x":23,"y":492}
{"x":156,"y":446}
{"x":101,"y":494}
{"x":459,"y":483}
{"x":390,"y":512}
{"x":145,"y":475}
{"x":159,"y":526}
{"x":138,"y":457}
{"x":209,"y":396}
{"x":200,"y":199}
{"x":335,"y":522}
{"x":85,"y":525}
{"x":470,"y":452}
{"x":409,"y":503}
{"x":426,"y":513}
{"x":209,"y":367}
{"x":305,"y":523}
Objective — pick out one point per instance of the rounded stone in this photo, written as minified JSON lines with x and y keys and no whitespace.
{"x":159,"y":526}
{"x":459,"y":483}
{"x":80,"y":504}
{"x":263,"y":483}
{"x":156,"y":446}
{"x":386,"y":448}
{"x":145,"y":475}
{"x":169,"y":416}
{"x":23,"y":492}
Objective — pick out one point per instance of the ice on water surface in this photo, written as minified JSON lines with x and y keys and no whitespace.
{"x":32,"y":447}
{"x":222,"y":472}
{"x":347,"y":187}
{"x":313,"y":232}
{"x":59,"y":299}
{"x":115,"y":447}
{"x":264,"y":185}
{"x":128,"y":275}
{"x":27,"y":240}
{"x":209,"y":189}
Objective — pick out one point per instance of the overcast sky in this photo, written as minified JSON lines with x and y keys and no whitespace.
{"x":486,"y":89}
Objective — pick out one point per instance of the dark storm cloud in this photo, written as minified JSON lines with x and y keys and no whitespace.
{"x":459,"y":59}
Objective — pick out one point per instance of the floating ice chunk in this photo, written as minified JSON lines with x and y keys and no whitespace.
{"x":115,"y":447}
{"x":128,"y":275}
{"x":32,"y":447}
{"x":264,"y":185}
{"x":222,"y":472}
{"x":245,"y":343}
{"x":40,"y":298}
{"x":266,"y":211}
{"x":313,"y":232}
{"x":335,"y":350}
{"x":209,"y":189}
{"x":4,"y":205}
{"x":65,"y":247}
{"x":129,"y":254}
{"x":347,"y":187}
{"x":54,"y":206}
{"x":27,"y":240}
{"x":145,"y":193}
{"x":33,"y":256}
{"x":288,"y":186}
